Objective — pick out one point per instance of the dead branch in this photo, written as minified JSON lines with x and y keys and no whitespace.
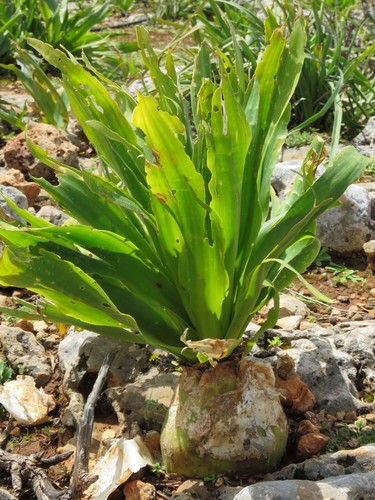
{"x":81,"y":479}
{"x":27,"y":471}
{"x":4,"y":436}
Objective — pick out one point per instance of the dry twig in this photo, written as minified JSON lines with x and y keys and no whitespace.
{"x":29,"y":471}
{"x":81,"y":479}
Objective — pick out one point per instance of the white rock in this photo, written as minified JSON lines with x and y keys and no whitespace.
{"x":53,"y":215}
{"x":289,"y":306}
{"x":339,"y":488}
{"x":289,"y":322}
{"x":347,"y":227}
{"x":14,"y":195}
{"x":365,"y":140}
{"x":344,"y":228}
{"x":27,"y":404}
{"x":283,"y":176}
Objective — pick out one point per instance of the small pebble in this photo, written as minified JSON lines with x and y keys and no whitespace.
{"x":336,"y":312}
{"x":4,"y":301}
{"x":357,"y":317}
{"x":25,"y":325}
{"x":16,"y":432}
{"x":333,"y":320}
{"x":353,"y":308}
{"x":370,"y":417}
{"x":330,"y":417}
{"x":372,"y":292}
{"x":360,"y":421}
{"x":40,"y":325}
{"x":343,"y":299}
{"x":306,"y":427}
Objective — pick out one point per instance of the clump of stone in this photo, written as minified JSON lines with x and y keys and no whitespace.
{"x":53,"y":140}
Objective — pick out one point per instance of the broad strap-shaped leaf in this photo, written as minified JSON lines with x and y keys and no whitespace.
{"x":77,"y":295}
{"x":179,"y":204}
{"x":90,"y":100}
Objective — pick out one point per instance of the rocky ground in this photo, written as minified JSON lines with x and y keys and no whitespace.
{"x":323,"y":357}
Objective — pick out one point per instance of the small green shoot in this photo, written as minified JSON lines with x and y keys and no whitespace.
{"x":158,"y":469}
{"x":154,"y":413}
{"x":211,"y":478}
{"x":350,"y":437}
{"x":22,"y":369}
{"x":341,"y":274}
{"x":298,"y":138}
{"x":368,"y":397}
{"x":6,"y":372}
{"x":323,"y":257}
{"x":275,"y":341}
{"x":154,"y":358}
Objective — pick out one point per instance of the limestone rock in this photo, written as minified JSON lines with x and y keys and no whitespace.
{"x":360,"y":460}
{"x":347,"y":227}
{"x":191,"y":489}
{"x":14,"y":195}
{"x":53,"y":215}
{"x":289,"y":306}
{"x":146,"y":400}
{"x":343,"y":228}
{"x":327,"y":360}
{"x":369,"y":248}
{"x":48,"y":137}
{"x":81,"y":354}
{"x":22,"y":348}
{"x":295,"y":154}
{"x":350,"y":487}
{"x":289,"y":322}
{"x":283,"y":176}
{"x":365,"y":140}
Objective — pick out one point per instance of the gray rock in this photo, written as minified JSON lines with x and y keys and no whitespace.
{"x":289,"y":306}
{"x":14,"y":195}
{"x":146,"y":400}
{"x":22,"y":348}
{"x":360,"y":460}
{"x":81,"y":355}
{"x":326,"y":372}
{"x":369,"y":249}
{"x":283,"y":176}
{"x":228,"y":492}
{"x":295,"y":153}
{"x":334,"y":362}
{"x":353,"y":487}
{"x":289,"y":322}
{"x":344,"y":228}
{"x":82,"y":352}
{"x":365,"y":140}
{"x":347,"y":227}
{"x":53,"y":215}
